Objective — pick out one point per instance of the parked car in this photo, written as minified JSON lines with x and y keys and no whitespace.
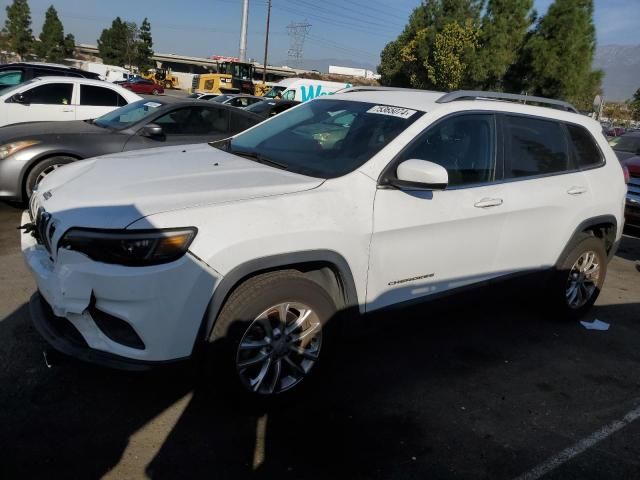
{"x":632,"y":206}
{"x":61,"y":99}
{"x":142,"y":85}
{"x":615,"y":131}
{"x":12,"y":74}
{"x":203,"y":96}
{"x":626,"y":146}
{"x":239,"y":100}
{"x":252,"y":253}
{"x":29,"y":152}
{"x":269,"y":108}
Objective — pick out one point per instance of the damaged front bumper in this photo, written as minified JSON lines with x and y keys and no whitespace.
{"x":92,"y":310}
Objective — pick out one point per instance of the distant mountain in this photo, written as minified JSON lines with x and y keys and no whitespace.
{"x":621,"y":65}
{"x":322,"y":64}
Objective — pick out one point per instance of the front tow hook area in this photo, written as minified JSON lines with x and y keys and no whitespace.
{"x":27,"y":227}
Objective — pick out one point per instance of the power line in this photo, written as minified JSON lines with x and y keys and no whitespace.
{"x":328,"y":21}
{"x":342,"y":16}
{"x":387,"y":12}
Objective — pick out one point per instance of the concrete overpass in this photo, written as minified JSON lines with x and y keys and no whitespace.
{"x":196,"y":65}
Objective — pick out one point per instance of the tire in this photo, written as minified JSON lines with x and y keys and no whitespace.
{"x":573,"y":291}
{"x":42,"y":169}
{"x":256,"y":367}
{"x":155,"y":92}
{"x":167,"y":85}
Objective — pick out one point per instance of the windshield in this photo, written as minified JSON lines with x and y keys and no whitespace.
{"x":325,"y":138}
{"x":630,"y":143}
{"x":8,"y":89}
{"x":124,"y":117}
{"x":275,"y":90}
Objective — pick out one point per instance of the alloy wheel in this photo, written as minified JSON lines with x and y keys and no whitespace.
{"x":279,"y":348}
{"x":583,"y":279}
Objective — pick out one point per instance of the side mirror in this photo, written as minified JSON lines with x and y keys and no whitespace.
{"x":19,"y":98}
{"x":421,"y":175}
{"x":152,"y":130}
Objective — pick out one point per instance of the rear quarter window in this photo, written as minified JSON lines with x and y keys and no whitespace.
{"x":586,"y":151}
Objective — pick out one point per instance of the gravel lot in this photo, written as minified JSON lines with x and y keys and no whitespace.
{"x":485,"y":386}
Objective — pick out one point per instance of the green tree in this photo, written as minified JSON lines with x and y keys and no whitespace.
{"x":144,"y":51}
{"x":559,"y":53}
{"x":503,"y":33}
{"x":130,"y":45}
{"x":53,"y":45}
{"x":17,"y":27}
{"x":407,"y":60}
{"x":112,"y":44}
{"x":455,"y":42}
{"x":69,"y":44}
{"x":634,"y":105}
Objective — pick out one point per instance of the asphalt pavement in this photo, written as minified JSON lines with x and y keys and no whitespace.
{"x":483,"y":386}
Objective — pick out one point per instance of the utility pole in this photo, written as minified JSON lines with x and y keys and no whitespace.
{"x":266,"y":44}
{"x":243,"y":30}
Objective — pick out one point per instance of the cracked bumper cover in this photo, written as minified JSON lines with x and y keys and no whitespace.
{"x":164,"y":304}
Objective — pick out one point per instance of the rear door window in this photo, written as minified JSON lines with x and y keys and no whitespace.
{"x":50,"y":94}
{"x":100,"y":97}
{"x":535,"y":147}
{"x":586,"y":151}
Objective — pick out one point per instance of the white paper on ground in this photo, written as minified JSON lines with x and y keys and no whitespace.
{"x":595,"y":325}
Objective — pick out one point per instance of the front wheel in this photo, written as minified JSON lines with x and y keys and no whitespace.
{"x":155,"y":91}
{"x":580,"y":277}
{"x":272,"y":333}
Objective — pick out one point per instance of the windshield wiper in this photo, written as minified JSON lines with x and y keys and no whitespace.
{"x":260,"y":159}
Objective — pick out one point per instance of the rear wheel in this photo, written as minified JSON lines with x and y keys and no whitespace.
{"x":155,"y":91}
{"x":579,"y":279}
{"x":41,"y":170}
{"x":272,"y":333}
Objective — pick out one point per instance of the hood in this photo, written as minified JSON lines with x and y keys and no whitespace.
{"x":115,"y":190}
{"x":39,"y":129}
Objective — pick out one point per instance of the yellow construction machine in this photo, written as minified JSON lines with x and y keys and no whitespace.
{"x":228,"y":76}
{"x":163,"y":77}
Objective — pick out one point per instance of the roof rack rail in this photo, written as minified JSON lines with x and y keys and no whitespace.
{"x":375,"y":88}
{"x":512,"y":97}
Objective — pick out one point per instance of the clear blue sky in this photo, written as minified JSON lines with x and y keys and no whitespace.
{"x":347,"y":29}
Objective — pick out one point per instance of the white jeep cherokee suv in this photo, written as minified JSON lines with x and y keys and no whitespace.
{"x":254,"y":247}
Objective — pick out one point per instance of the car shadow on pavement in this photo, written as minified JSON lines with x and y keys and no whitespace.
{"x":480,"y":386}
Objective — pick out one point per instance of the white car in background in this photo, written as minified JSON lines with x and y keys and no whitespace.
{"x":60,"y":99}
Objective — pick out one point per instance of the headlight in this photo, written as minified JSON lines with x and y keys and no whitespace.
{"x":11,"y":148}
{"x":133,"y":248}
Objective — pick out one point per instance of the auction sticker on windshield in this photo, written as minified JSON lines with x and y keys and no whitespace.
{"x":391,"y":111}
{"x":152,"y":104}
